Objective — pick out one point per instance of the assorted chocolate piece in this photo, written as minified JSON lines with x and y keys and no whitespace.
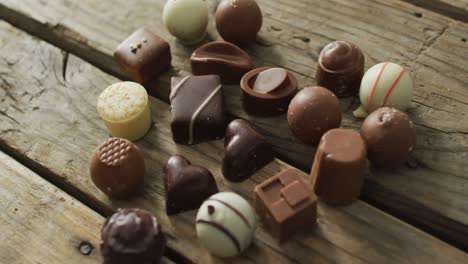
{"x":226,"y":224}
{"x":117,"y":168}
{"x":339,"y":167}
{"x":267,"y":91}
{"x":223,"y":59}
{"x":245,"y":151}
{"x":197,"y":109}
{"x":132,"y":236}
{"x":312,"y":112}
{"x":285,"y":204}
{"x":186,"y":185}
{"x":143,"y":55}
{"x":186,"y":19}
{"x":238,"y":21}
{"x":124,"y":108}
{"x":340,"y":68}
{"x":385,"y":84}
{"x":390,"y":136}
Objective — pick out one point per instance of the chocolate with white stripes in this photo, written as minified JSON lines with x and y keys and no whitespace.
{"x":285,"y":204}
{"x":385,"y":84}
{"x":225,"y":224}
{"x":197,"y":109}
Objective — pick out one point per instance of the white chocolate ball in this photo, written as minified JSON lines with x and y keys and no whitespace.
{"x":226,"y":224}
{"x":385,"y":84}
{"x":124,"y":108}
{"x":186,"y":19}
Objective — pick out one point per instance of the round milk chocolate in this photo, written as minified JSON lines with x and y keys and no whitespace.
{"x":132,"y":236}
{"x":339,"y":166}
{"x":117,"y":168}
{"x":312,"y":112}
{"x":267,"y":91}
{"x":390,"y":136}
{"x":340,"y":68}
{"x":238,"y":21}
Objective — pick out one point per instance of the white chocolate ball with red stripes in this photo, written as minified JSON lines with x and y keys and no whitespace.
{"x":226,"y":224}
{"x":385,"y":84}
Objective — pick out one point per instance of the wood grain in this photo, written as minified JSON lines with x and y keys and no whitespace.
{"x":39,"y":223}
{"x":49,"y":121}
{"x":433,"y":196}
{"x":457,"y":9}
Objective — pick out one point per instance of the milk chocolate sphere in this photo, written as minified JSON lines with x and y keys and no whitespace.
{"x":238,"y":21}
{"x":340,"y":68}
{"x":390,"y":136}
{"x":312,"y":112}
{"x":132,"y":236}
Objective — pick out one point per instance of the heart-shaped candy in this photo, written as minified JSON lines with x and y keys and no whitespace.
{"x":186,"y":185}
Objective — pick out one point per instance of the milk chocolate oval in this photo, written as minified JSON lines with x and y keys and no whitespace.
{"x":223,"y":59}
{"x":265,"y":91}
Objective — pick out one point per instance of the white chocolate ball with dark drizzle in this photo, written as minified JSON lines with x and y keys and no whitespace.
{"x":225,"y":224}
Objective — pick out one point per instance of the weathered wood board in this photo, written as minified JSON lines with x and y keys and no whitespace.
{"x":39,"y":223}
{"x":457,"y":9}
{"x":433,"y":196}
{"x":50,"y":123}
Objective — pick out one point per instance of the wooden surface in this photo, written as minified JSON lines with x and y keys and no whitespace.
{"x":432,"y":196}
{"x":457,"y":9}
{"x":49,"y":122}
{"x":39,"y":223}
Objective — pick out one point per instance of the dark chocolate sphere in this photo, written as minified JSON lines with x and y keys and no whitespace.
{"x":390,"y":136}
{"x":238,"y":21}
{"x":117,"y":168}
{"x":312,"y":112}
{"x":132,"y":236}
{"x":340,"y":68}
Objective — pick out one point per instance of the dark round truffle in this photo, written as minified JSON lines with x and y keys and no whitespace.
{"x":312,"y":112}
{"x":238,"y":21}
{"x":132,"y":236}
{"x":390,"y":136}
{"x":340,"y":68}
{"x":117,"y":168}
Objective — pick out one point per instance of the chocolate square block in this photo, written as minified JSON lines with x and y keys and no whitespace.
{"x":285,"y":204}
{"x":197,"y":109}
{"x":143,"y":55}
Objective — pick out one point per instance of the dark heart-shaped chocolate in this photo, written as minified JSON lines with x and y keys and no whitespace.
{"x":186,"y":185}
{"x":245,"y":151}
{"x":221,"y":58}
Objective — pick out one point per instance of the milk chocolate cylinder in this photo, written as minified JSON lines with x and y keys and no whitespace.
{"x":339,"y":167}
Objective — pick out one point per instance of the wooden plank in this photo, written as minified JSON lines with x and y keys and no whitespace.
{"x":39,"y":223}
{"x":457,"y":9}
{"x":432,"y":196}
{"x":49,"y":121}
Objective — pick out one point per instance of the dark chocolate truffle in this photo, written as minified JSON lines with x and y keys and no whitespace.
{"x":339,"y":166}
{"x":340,"y":68}
{"x":223,"y":59}
{"x":117,"y":168}
{"x":238,"y":21}
{"x":132,"y":236}
{"x":245,"y":151}
{"x":390,"y":136}
{"x":267,"y":91}
{"x":197,"y":109}
{"x":143,"y":55}
{"x":312,"y":112}
{"x":186,"y":185}
{"x":286,"y":204}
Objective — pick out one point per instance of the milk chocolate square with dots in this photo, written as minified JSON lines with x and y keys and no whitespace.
{"x":143,"y":55}
{"x":197,"y":109}
{"x":285,"y":204}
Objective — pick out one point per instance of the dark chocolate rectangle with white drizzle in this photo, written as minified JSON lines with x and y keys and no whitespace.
{"x":197,"y":109}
